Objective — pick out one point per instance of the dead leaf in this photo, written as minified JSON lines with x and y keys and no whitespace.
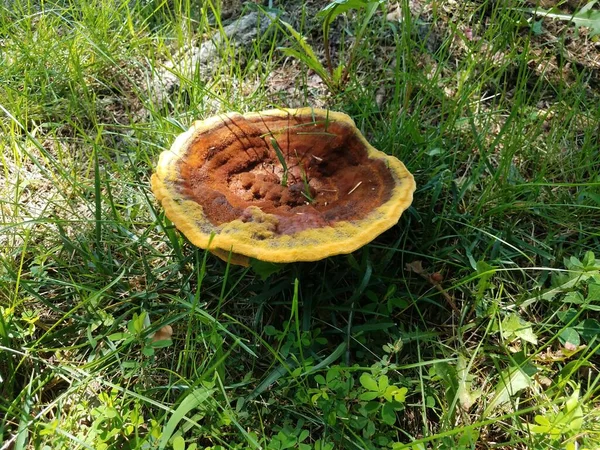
{"x":395,"y":14}
{"x":163,"y":334}
{"x":466,"y":394}
{"x":416,"y":267}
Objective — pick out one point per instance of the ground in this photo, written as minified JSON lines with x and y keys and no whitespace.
{"x":471,"y":324}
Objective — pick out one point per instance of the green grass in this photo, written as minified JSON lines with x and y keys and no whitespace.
{"x":356,"y":351}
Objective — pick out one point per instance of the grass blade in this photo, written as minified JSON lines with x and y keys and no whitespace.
{"x":191,"y":401}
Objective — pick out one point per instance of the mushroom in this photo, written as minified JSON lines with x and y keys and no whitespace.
{"x":281,"y":185}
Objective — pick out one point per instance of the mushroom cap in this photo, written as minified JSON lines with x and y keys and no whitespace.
{"x":281,"y":185}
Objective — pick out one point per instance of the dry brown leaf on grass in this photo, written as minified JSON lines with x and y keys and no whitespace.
{"x":416,"y":8}
{"x":416,"y":267}
{"x":163,"y":334}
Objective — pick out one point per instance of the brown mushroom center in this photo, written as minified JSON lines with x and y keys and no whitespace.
{"x":326,"y":175}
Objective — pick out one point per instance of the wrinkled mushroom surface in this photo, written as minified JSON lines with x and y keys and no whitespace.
{"x":280,"y":185}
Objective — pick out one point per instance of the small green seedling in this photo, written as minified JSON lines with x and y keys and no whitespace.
{"x":281,"y":159}
{"x":306,"y":190}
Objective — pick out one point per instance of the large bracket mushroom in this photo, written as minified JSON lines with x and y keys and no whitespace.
{"x":281,"y":185}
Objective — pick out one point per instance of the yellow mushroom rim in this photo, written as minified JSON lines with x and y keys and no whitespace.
{"x":281,"y":185}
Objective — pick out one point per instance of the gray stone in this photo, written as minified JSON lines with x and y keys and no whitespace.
{"x":191,"y":58}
